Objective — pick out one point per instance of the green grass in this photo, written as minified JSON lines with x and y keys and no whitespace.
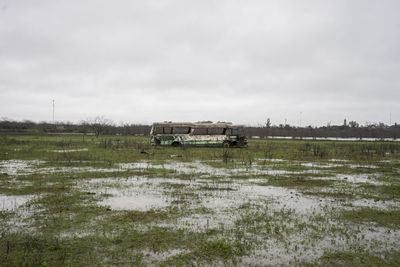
{"x":385,"y":218}
{"x":112,"y":149}
{"x":335,"y":195}
{"x":65,"y":224}
{"x":360,"y":258}
{"x":295,"y":182}
{"x":383,"y":191}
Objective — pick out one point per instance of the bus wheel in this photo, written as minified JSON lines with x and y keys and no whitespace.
{"x":176,"y":144}
{"x":227,"y":144}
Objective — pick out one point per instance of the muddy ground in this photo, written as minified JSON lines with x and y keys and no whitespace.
{"x":119,"y":201}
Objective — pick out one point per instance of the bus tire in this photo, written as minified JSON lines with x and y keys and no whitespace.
{"x":226,"y":145}
{"x":176,"y":144}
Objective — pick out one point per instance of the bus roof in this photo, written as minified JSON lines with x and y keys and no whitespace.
{"x":196,"y":125}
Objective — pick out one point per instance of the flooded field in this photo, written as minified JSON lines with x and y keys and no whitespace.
{"x":118,"y":201}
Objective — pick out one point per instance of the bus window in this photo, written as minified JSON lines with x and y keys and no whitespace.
{"x":181,"y":130}
{"x":158,"y":130}
{"x":167,"y":130}
{"x":200,"y":131}
{"x":215,"y":130}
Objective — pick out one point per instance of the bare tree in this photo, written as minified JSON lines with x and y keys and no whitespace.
{"x":99,"y":125}
{"x":268,"y":123}
{"x":353,"y":124}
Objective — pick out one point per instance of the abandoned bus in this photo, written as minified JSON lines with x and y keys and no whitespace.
{"x":197,"y":134}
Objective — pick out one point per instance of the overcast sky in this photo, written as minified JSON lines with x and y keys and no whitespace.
{"x":309,"y":62}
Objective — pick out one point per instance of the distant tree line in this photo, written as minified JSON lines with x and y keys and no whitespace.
{"x":101,"y":126}
{"x":325,"y":131}
{"x":96,"y":126}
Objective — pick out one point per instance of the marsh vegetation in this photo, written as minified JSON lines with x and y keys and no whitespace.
{"x":81,"y":200}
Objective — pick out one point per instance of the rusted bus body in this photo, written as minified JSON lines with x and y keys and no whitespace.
{"x":198,"y":134}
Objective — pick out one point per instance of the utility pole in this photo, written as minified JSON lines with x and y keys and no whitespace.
{"x":54,"y":123}
{"x":390,"y":119}
{"x":300,"y":117}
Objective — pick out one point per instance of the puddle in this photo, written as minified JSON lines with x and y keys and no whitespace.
{"x":271,"y":160}
{"x":359,"y":166}
{"x":338,"y":160}
{"x":202,"y":168}
{"x":153,"y":258}
{"x":284,"y":198}
{"x":133,"y":193}
{"x":278,"y":255}
{"x":374,"y":236}
{"x":358,"y":178}
{"x":321,"y":165}
{"x":12,"y":203}
{"x":69,"y":150}
{"x":47,"y":170}
{"x":21,"y":167}
{"x":220,"y":203}
{"x":134,"y":201}
{"x":352,"y":139}
{"x":135,"y":165}
{"x":203,"y":222}
{"x":378,"y":204}
{"x":218,"y":200}
{"x":15,"y":167}
{"x":196,"y":167}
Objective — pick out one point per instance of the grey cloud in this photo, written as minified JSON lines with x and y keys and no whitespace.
{"x":191,"y":60}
